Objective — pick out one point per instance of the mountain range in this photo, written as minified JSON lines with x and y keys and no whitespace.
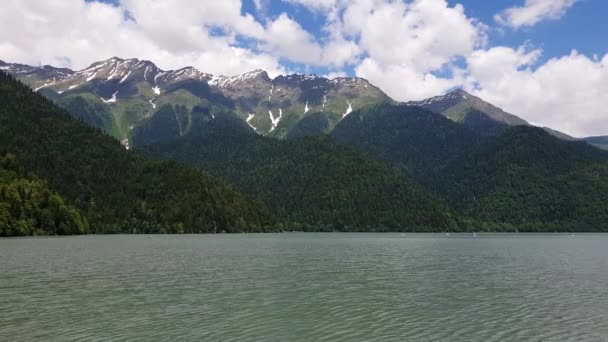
{"x":118,"y":95}
{"x":298,"y":152}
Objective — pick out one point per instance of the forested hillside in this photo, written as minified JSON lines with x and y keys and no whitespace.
{"x":383,"y":168}
{"x":532,"y":181}
{"x":315,"y":183}
{"x":28,"y":207}
{"x":115,"y":190}
{"x":417,"y":140}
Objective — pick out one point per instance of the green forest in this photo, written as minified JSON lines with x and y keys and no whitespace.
{"x":202,"y":169}
{"x":116,"y":191}
{"x":29,"y":207}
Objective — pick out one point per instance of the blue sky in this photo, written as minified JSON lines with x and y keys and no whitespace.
{"x":583,"y":27}
{"x":544,"y":60}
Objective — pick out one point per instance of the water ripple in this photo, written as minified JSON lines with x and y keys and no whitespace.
{"x":322,"y":287}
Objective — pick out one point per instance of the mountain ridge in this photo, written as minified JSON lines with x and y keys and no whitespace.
{"x":270,"y":106}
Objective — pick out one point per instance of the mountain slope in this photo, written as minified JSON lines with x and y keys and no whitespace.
{"x":115,"y":190}
{"x":476,"y":114}
{"x":417,"y":140}
{"x":458,"y":104}
{"x":313,"y":183}
{"x":471,"y":112}
{"x":531,"y":180}
{"x":601,"y":141}
{"x":28,"y":207}
{"x":522,"y":178}
{"x":133,"y":90}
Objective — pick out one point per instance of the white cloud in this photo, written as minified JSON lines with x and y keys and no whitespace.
{"x":411,"y":49}
{"x":43,"y":32}
{"x":402,"y":82}
{"x":566,"y":93}
{"x":335,"y":74}
{"x":533,"y":12}
{"x":406,"y":44}
{"x":286,"y":37}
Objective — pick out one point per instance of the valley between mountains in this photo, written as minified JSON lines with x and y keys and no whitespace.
{"x":125,"y":147}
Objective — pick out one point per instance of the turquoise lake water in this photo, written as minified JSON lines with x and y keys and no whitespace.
{"x":309,"y":287}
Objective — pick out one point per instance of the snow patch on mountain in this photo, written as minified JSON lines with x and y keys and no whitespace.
{"x":91,"y":77}
{"x":348,"y":110}
{"x":46,"y":85}
{"x":250,"y":117}
{"x":110,"y":100}
{"x":226,"y":82}
{"x":156,"y":90}
{"x":159,"y":75}
{"x":146,"y":73}
{"x":275,"y":121}
{"x":126,"y":76}
{"x":271,"y":89}
{"x":75,"y":86}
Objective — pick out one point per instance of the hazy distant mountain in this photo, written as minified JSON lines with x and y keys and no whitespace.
{"x":601,"y":141}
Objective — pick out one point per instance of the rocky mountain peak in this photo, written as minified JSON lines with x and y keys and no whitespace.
{"x":244,"y":78}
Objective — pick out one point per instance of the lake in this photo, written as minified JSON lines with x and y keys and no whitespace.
{"x":313,"y":287}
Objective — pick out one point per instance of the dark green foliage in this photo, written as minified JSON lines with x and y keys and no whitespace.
{"x":311,"y":125}
{"x":115,"y":190}
{"x":173,"y":122}
{"x":419,"y":141}
{"x":532,"y":181}
{"x":28,"y":207}
{"x":165,"y":125}
{"x":482,"y":124}
{"x":513,"y":178}
{"x":601,"y":141}
{"x":315,"y":183}
{"x":94,"y":113}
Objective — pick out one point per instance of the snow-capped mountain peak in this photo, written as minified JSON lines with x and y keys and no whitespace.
{"x":128,"y":83}
{"x":231,"y":81}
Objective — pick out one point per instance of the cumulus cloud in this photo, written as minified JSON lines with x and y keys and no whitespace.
{"x":533,"y":12}
{"x":411,"y":49}
{"x":74,"y":33}
{"x":413,"y":40}
{"x":566,"y":93}
{"x":285,"y":37}
{"x":335,"y":74}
